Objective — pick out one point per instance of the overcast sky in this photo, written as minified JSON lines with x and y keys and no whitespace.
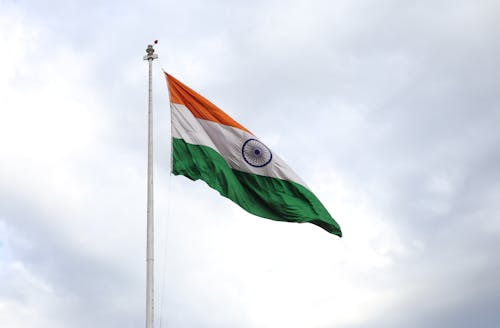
{"x":389,"y":110}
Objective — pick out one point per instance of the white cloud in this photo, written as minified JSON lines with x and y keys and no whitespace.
{"x":396,"y":107}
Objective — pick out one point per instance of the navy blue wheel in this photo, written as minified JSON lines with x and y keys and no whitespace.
{"x":255,"y":153}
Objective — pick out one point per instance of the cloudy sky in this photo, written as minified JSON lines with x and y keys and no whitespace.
{"x":389,"y":110}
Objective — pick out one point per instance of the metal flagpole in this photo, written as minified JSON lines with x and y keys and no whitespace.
{"x":150,"y":223}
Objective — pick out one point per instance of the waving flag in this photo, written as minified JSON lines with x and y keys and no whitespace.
{"x":209,"y":145}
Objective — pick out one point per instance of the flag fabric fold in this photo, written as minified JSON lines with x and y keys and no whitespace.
{"x":209,"y":145}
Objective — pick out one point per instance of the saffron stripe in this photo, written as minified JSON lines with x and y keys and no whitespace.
{"x":198,"y":105}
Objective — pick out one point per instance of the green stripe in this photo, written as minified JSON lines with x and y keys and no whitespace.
{"x":267,"y":197}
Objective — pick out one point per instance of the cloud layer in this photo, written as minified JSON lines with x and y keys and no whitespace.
{"x":388,"y":110}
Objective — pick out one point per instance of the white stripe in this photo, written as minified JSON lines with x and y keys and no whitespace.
{"x":227,"y":141}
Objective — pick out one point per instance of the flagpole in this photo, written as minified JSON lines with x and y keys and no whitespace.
{"x":150,"y":219}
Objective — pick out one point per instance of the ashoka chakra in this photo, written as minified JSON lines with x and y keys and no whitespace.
{"x":255,"y":153}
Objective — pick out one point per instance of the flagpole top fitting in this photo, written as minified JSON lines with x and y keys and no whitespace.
{"x":150,"y":52}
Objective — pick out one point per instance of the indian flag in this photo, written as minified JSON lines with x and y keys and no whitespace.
{"x":209,"y":145}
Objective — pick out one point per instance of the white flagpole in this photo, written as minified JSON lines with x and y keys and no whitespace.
{"x":150,"y":221}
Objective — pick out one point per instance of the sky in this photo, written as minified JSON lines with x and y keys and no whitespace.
{"x":389,"y":110}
